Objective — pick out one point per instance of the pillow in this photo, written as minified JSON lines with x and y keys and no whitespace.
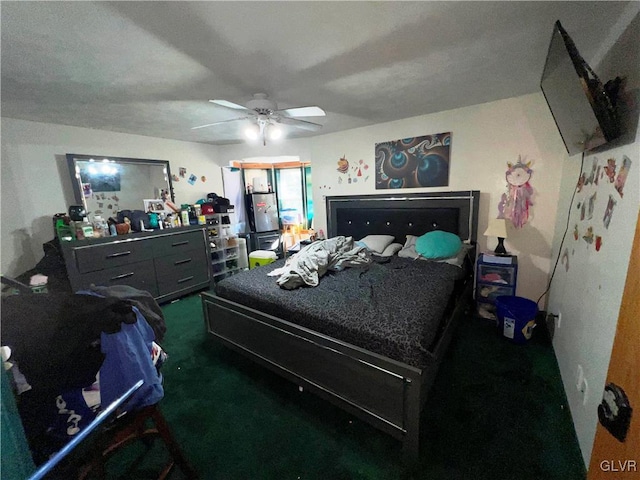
{"x":377,"y":243}
{"x":391,"y":250}
{"x":409,"y":249}
{"x":438,"y":244}
{"x":458,"y":259}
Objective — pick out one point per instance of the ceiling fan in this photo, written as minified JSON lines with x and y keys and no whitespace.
{"x":265,"y":116}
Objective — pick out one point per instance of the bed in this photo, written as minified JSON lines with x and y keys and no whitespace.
{"x":346,"y":354}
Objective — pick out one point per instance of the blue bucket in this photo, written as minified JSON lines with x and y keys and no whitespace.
{"x":516,"y":317}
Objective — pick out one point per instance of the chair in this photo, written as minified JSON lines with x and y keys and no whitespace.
{"x":134,"y":426}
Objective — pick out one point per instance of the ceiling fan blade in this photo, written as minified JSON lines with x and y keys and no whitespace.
{"x":218,"y":123}
{"x":296,"y":122}
{"x":231,"y":105}
{"x":311,"y":111}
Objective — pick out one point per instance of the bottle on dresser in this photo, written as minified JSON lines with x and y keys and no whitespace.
{"x":83,"y":229}
{"x":100,"y":227}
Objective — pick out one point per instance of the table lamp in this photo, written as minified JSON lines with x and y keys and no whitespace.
{"x":497,"y":228}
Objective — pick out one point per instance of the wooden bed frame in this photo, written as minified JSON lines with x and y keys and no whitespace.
{"x":384,"y":392}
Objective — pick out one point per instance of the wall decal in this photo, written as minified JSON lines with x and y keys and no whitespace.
{"x":183,"y":172}
{"x":565,"y":259}
{"x":413,"y":162}
{"x":515,"y":203}
{"x":610,"y":169}
{"x":598,"y":242}
{"x":343,"y":165}
{"x":351,"y":172}
{"x":592,"y":176}
{"x":592,"y":205}
{"x":192,"y":179}
{"x":608,"y":213}
{"x":588,"y":236}
{"x":203,"y":179}
{"x":622,"y":176}
{"x":175,"y":178}
{"x":576,"y":233}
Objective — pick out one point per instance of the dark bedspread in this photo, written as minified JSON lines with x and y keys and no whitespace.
{"x":393,"y":309}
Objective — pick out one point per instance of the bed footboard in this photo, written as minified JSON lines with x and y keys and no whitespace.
{"x":381,"y":391}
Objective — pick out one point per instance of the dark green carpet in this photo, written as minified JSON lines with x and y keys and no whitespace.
{"x":496,"y":411}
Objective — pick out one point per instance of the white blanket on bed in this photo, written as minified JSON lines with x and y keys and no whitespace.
{"x":308,"y":265}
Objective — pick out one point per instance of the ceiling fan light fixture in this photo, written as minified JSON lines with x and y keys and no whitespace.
{"x":252,"y":132}
{"x":275,"y":132}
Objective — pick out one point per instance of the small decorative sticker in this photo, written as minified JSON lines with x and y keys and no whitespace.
{"x":610,"y":169}
{"x":343,"y":165}
{"x":592,"y":205}
{"x":565,"y":259}
{"x":608,"y":213}
{"x":192,"y":179}
{"x":622,"y":176}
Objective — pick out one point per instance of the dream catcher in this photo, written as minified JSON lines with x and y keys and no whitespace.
{"x":515,"y":203}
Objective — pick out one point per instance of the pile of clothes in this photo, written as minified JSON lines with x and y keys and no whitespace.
{"x":68,"y":354}
{"x":308,"y":265}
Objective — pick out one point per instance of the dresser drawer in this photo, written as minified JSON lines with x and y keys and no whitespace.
{"x":179,"y":264}
{"x":98,"y":257}
{"x":179,"y":242}
{"x":140,"y":275}
{"x":488,"y":292}
{"x":172,"y":284}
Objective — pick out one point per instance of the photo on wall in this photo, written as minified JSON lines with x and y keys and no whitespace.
{"x":413,"y":162}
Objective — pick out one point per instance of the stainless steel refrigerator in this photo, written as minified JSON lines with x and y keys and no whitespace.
{"x":262,"y":210}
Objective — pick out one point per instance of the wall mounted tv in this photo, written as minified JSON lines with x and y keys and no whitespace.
{"x":583,"y":109}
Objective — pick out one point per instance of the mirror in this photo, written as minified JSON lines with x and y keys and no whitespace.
{"x":106,"y":185}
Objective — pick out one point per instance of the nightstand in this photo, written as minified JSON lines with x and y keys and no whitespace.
{"x":495,"y":276}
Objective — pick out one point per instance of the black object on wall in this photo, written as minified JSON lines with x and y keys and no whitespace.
{"x":615,"y":411}
{"x":582,"y":107}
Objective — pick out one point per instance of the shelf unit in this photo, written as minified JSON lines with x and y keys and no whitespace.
{"x":494,"y":277}
{"x":224,"y":245}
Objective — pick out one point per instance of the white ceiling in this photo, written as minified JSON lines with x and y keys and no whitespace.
{"x":149,"y":67}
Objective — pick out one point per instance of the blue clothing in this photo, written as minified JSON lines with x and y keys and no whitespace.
{"x":127,"y":360}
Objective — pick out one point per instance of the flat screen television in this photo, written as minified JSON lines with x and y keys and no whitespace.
{"x":581,"y":106}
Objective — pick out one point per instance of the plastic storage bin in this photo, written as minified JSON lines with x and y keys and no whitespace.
{"x":258,"y":258}
{"x":516,"y":317}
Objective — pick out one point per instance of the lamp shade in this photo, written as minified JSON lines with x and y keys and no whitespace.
{"x":497,"y":228}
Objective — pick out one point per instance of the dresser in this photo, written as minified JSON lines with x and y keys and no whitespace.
{"x":167,"y":263}
{"x":495,"y":276}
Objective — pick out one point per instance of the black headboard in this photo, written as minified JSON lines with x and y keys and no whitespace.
{"x":404,"y":214}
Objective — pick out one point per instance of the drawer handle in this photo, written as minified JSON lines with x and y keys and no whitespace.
{"x":180,"y":262}
{"x":177,"y":244}
{"x":119,"y":254}
{"x":186,"y":279}
{"x":124,"y":275}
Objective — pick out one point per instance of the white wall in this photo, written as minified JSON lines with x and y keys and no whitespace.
{"x":36,"y":182}
{"x":484,"y":138}
{"x":295,"y":147}
{"x":589,"y":294}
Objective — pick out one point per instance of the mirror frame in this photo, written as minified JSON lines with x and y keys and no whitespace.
{"x":76,"y":183}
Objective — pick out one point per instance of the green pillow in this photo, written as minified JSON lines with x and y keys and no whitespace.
{"x":438,"y":244}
